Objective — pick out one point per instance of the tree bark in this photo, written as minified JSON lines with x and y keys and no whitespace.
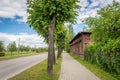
{"x":59,"y":52}
{"x":51,"y":46}
{"x":54,"y":60}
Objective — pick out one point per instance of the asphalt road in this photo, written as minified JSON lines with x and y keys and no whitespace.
{"x":10,"y":68}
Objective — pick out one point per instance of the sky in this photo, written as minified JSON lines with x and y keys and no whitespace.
{"x":13,"y":19}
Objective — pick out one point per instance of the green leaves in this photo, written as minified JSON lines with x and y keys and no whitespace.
{"x":12,"y":47}
{"x":60,"y":34}
{"x":41,"y":13}
{"x":1,"y":46}
{"x":106,"y":25}
{"x":105,"y":30}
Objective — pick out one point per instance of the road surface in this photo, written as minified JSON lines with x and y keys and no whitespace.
{"x":10,"y":68}
{"x":73,"y":70}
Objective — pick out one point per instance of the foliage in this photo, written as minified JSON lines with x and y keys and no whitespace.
{"x":2,"y":54}
{"x":105,"y":29}
{"x":12,"y":47}
{"x":71,"y":31}
{"x":41,"y":13}
{"x":44,"y":15}
{"x":60,"y":35}
{"x":39,"y":50}
{"x":107,"y":23}
{"x":70,"y":34}
{"x":16,"y":55}
{"x":1,"y":46}
{"x":24,"y":48}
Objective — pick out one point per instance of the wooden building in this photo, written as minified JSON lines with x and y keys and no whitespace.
{"x":79,"y":43}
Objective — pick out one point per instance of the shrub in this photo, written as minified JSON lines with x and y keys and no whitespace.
{"x":2,"y":54}
{"x":106,"y":55}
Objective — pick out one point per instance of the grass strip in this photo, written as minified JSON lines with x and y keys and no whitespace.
{"x":17,"y":56}
{"x":103,"y":75}
{"x":39,"y":72}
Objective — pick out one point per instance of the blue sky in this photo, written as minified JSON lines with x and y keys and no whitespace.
{"x":13,"y":27}
{"x":13,"y":18}
{"x":14,"y":24}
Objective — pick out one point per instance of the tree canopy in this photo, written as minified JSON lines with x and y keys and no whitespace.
{"x":60,"y":37}
{"x":12,"y":47}
{"x":44,"y":15}
{"x":106,"y":25}
{"x":41,"y":13}
{"x":1,"y":46}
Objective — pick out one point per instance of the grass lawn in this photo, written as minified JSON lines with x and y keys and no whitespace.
{"x":39,"y":72}
{"x":16,"y":55}
{"x":95,"y":69}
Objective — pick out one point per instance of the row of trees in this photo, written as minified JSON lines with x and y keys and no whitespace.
{"x":47,"y":18}
{"x":11,"y":47}
{"x":1,"y":46}
{"x":105,"y":28}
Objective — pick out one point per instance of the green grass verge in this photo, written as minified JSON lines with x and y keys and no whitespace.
{"x":16,"y":55}
{"x":39,"y":72}
{"x":103,"y":75}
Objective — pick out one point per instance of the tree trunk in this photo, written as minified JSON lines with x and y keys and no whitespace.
{"x":59,"y":52}
{"x":51,"y":46}
{"x":54,"y":60}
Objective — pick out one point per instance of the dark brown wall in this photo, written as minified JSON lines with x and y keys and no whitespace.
{"x":79,"y":43}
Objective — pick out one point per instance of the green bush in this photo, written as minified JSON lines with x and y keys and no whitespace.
{"x":106,"y":56}
{"x":39,"y":50}
{"x":2,"y":54}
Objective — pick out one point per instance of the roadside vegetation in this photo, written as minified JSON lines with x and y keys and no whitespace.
{"x":11,"y":51}
{"x":38,"y":72}
{"x":103,"y":75}
{"x":16,"y":55}
{"x":47,"y":18}
{"x":105,"y":49}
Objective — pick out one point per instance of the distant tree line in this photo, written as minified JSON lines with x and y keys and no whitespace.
{"x":11,"y":47}
{"x":2,"y":48}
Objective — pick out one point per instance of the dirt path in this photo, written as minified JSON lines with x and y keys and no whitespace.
{"x":73,"y":70}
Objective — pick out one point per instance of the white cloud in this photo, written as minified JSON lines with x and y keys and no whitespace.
{"x":84,"y":3}
{"x":32,"y":40}
{"x":90,"y":10}
{"x":12,"y":8}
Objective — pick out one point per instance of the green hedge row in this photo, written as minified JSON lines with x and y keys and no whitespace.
{"x":107,"y":56}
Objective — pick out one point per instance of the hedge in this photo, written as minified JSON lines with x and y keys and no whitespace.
{"x":107,"y":56}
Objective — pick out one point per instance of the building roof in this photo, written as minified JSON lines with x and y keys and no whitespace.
{"x":80,"y":33}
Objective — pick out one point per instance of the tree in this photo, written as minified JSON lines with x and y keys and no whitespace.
{"x":1,"y":46}
{"x":70,"y":36}
{"x":12,"y":47}
{"x":60,"y":37}
{"x":105,"y":30}
{"x":24,"y":48}
{"x":43,"y":17}
{"x":106,"y":25}
{"x":71,"y":31}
